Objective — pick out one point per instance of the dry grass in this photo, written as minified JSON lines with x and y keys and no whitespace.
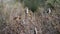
{"x":14,"y":20}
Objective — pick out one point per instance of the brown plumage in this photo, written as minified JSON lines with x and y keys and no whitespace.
{"x":17,"y":18}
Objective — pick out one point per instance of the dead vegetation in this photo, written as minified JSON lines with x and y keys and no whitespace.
{"x":14,"y":20}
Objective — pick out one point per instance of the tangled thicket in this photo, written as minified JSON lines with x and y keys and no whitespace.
{"x":15,"y":20}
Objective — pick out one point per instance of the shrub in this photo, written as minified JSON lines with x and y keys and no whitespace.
{"x":32,"y":4}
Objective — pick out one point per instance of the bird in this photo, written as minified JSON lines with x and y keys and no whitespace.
{"x":26,"y":10}
{"x":17,"y":18}
{"x":35,"y":31}
{"x":49,"y":7}
{"x":49,"y":10}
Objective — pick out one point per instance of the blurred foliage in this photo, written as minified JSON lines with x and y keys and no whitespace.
{"x":53,"y":1}
{"x":34,"y":4}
